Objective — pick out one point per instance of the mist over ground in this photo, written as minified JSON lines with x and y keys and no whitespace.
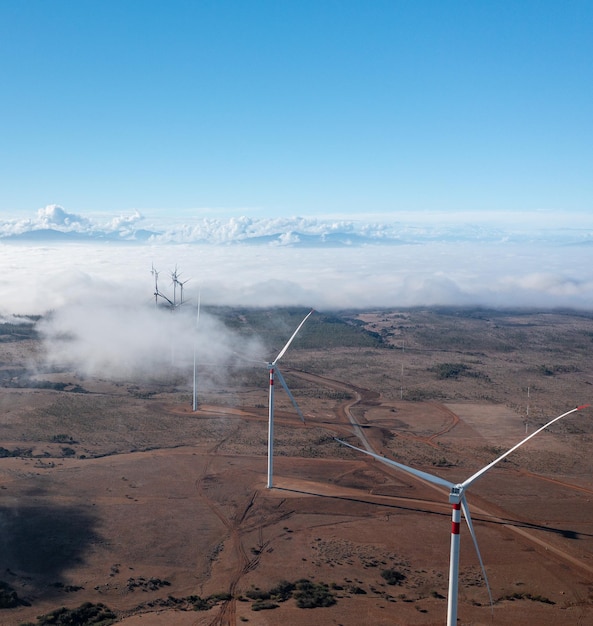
{"x":120,"y":341}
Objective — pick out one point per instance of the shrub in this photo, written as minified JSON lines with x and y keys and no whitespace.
{"x":62,"y":438}
{"x":257,"y":594}
{"x":264,"y":605}
{"x":310,"y":595}
{"x":393,"y":577}
{"x":8,"y":596}
{"x":449,"y":370}
{"x":86,"y":614}
{"x":282,"y":591}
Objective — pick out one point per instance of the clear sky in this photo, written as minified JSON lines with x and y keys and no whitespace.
{"x":309,"y":107}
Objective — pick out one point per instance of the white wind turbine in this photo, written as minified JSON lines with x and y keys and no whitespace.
{"x":275,"y":372}
{"x":158,"y":294}
{"x":459,"y":503}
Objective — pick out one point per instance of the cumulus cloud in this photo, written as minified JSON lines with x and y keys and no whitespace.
{"x":55,"y":219}
{"x":399,"y":228}
{"x":125,"y":223}
{"x":54,"y":216}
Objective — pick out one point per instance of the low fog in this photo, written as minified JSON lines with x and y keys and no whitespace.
{"x":36,"y":279}
{"x":99,"y":311}
{"x":111,"y":338}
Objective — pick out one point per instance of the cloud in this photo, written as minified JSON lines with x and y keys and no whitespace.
{"x":395,"y":229}
{"x":39,"y":278}
{"x":99,"y":310}
{"x":97,"y":296}
{"x":55,"y":216}
{"x":111,"y":337}
{"x":54,"y":219}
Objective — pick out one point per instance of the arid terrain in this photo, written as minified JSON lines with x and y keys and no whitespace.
{"x":118,"y":494}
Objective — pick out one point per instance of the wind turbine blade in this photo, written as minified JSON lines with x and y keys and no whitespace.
{"x":283,"y":383}
{"x":435,"y":480}
{"x":293,"y":336}
{"x":164,"y":297}
{"x":477,"y":475}
{"x":468,"y":519}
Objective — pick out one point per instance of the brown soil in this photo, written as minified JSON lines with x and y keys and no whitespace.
{"x":157,"y":501}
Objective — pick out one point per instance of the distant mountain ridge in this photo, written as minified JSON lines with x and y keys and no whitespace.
{"x":53,"y":224}
{"x":52,"y":235}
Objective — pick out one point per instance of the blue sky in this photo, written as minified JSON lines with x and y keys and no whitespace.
{"x":274,"y":108}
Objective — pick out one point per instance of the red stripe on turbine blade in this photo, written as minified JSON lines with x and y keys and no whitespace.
{"x":583,"y":406}
{"x":457,"y":506}
{"x":455,"y":528}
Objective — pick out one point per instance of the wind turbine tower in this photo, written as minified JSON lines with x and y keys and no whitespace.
{"x":459,"y":505}
{"x":274,"y":373}
{"x":195,"y":386}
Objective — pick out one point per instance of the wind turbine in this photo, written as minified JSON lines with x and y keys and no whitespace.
{"x":459,"y":503}
{"x":157,"y":294}
{"x":181,"y":284}
{"x":154,"y":272}
{"x":175,"y":275}
{"x":275,"y":372}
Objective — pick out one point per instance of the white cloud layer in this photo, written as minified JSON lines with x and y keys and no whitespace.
{"x":101,"y":291}
{"x":37,"y":278}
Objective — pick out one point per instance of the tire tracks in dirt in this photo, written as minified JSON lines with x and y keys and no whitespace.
{"x":236,"y":525}
{"x":343,"y":413}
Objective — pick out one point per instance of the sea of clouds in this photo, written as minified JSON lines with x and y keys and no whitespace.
{"x":92,"y":278}
{"x":55,"y":258}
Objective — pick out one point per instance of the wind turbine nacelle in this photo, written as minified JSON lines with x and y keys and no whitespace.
{"x":455,"y":495}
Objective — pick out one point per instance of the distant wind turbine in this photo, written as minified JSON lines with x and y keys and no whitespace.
{"x":181,"y":284}
{"x":157,"y":294}
{"x":275,"y":372}
{"x":154,"y":272}
{"x":459,"y":503}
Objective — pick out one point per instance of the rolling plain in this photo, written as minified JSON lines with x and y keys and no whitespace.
{"x":116,"y":494}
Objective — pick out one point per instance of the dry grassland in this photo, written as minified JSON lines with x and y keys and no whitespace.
{"x":117,"y":493}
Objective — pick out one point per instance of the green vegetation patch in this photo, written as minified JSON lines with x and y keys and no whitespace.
{"x":86,"y":614}
{"x":393,"y":576}
{"x":453,"y":371}
{"x":308,"y":595}
{"x":17,"y":332}
{"x":552,"y":370}
{"x":527,"y":596}
{"x":277,"y":325}
{"x":8,"y":597}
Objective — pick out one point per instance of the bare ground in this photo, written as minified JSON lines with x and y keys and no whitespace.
{"x":156,"y":501}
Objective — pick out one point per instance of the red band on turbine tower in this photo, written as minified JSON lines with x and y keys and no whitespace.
{"x":456,"y":517}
